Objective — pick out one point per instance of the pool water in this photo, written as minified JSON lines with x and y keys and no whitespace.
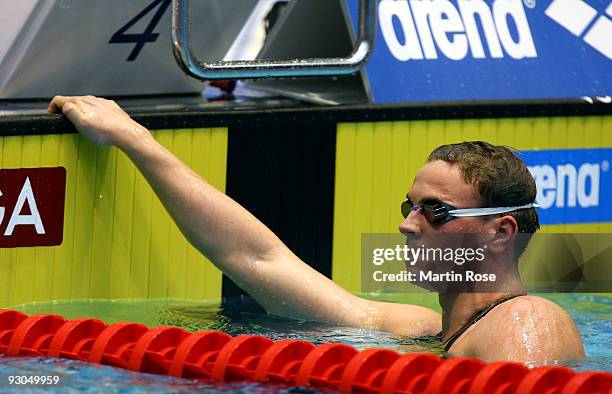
{"x":592,"y":314}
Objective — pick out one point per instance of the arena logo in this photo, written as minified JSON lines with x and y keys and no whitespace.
{"x":32,"y":207}
{"x":566,"y":185}
{"x":454,"y":30}
{"x":572,"y":184}
{"x":582,"y":20}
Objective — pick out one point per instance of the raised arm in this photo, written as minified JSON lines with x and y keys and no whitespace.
{"x":231,"y":237}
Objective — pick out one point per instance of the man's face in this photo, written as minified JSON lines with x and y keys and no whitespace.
{"x":439,"y":181}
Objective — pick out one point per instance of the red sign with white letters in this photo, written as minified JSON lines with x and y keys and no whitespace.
{"x":32,"y":207}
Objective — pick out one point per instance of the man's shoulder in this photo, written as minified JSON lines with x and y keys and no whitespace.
{"x":529,"y":306}
{"x":527,"y":328}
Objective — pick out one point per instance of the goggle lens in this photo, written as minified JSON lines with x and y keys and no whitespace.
{"x":434,"y":213}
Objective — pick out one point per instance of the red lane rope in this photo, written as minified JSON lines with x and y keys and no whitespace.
{"x":216,"y":356}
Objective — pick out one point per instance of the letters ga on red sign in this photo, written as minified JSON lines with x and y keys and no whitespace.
{"x":32,"y":207}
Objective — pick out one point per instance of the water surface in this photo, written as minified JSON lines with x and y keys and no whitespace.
{"x":592,"y":314}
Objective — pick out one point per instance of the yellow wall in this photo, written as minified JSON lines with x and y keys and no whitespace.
{"x":119,"y":242}
{"x":376,"y":162}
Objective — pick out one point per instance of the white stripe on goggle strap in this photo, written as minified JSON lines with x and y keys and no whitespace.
{"x":469,"y":212}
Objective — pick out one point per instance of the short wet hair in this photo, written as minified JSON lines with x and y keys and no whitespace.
{"x":500,"y":176}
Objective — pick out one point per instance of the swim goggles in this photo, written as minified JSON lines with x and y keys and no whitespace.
{"x":437,"y":213}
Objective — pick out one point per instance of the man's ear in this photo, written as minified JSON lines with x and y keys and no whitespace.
{"x":506,"y":229}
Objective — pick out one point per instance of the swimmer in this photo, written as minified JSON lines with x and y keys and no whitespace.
{"x":491,"y":326}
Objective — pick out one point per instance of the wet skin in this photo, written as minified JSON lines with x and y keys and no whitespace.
{"x":526,"y":328}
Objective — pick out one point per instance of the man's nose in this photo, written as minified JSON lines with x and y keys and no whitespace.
{"x":410,"y":225}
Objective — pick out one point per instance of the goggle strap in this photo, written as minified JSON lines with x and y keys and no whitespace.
{"x":470,"y":212}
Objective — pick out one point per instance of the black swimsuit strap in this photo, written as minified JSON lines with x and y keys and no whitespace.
{"x":477,"y":316}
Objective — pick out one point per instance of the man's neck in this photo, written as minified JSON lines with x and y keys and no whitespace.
{"x":459,"y":308}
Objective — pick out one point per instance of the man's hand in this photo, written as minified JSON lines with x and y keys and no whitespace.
{"x":101,"y":121}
